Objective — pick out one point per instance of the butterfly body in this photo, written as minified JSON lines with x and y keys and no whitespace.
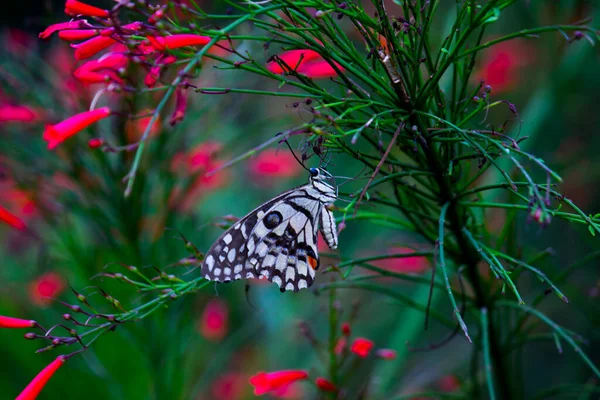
{"x":278,"y":240}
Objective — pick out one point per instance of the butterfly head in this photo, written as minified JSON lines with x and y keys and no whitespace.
{"x":323,"y":181}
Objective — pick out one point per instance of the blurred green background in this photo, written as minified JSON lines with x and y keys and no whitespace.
{"x":206,"y":346}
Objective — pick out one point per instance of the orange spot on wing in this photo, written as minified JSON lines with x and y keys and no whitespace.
{"x":313,"y":262}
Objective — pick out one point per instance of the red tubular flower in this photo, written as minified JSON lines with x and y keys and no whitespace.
{"x":13,"y":323}
{"x":161,"y":43}
{"x":46,"y":287}
{"x":75,"y":8}
{"x":10,"y":113}
{"x":55,"y":134}
{"x":361,"y":347}
{"x":305,"y":62}
{"x":77,"y":34}
{"x":386,"y":354}
{"x":82,"y":23}
{"x":180,"y":106}
{"x":273,"y":164}
{"x":266,"y":382}
{"x":214,"y":320}
{"x":102,"y":70}
{"x":95,"y":45}
{"x":325,"y":385}
{"x":11,"y":219}
{"x":38,"y":383}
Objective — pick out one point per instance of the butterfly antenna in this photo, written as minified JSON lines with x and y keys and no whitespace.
{"x":293,"y":153}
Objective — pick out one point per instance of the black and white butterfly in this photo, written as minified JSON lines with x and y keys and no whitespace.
{"x":278,"y":240}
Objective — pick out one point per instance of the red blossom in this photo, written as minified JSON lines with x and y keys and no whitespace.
{"x":95,"y":45}
{"x":386,"y":354}
{"x":11,"y":219}
{"x":273,"y":164}
{"x":325,"y":385}
{"x":406,"y":265}
{"x":268,"y":382}
{"x":305,"y":62}
{"x":361,"y":347}
{"x":102,"y":70}
{"x":346,"y":329}
{"x":95,"y":143}
{"x":13,"y":323}
{"x":75,"y":8}
{"x":228,"y":386}
{"x":214,"y":320}
{"x":82,"y":23}
{"x":77,"y":34}
{"x":161,"y":43}
{"x":56,"y":134}
{"x":38,"y":383}
{"x":502,"y":65}
{"x":17,"y":113}
{"x":46,"y":287}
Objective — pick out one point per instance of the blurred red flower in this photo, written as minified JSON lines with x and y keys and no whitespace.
{"x":56,"y":134}
{"x":95,"y":45}
{"x":11,"y":219}
{"x":340,"y":345}
{"x":75,"y":8}
{"x":325,"y":385}
{"x":46,"y":287}
{"x":102,"y":70}
{"x":386,"y":354}
{"x":502,"y":64}
{"x":448,"y":383}
{"x":361,"y":347}
{"x":38,"y":383}
{"x":228,"y":386}
{"x":272,"y":381}
{"x":214,"y":321}
{"x":14,"y":323}
{"x":406,"y":265}
{"x":305,"y":62}
{"x":135,"y":128}
{"x":17,"y":113}
{"x":273,"y":164}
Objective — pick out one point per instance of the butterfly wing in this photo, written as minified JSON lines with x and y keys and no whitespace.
{"x":276,"y":241}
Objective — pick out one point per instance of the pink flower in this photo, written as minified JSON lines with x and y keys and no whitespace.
{"x":268,"y":382}
{"x":10,"y":113}
{"x":406,"y":265}
{"x":11,"y":219}
{"x":82,"y":23}
{"x":273,"y":164}
{"x":75,"y":8}
{"x":325,"y":385}
{"x":38,"y":383}
{"x":214,"y":320}
{"x":361,"y":347}
{"x":56,"y":134}
{"x":46,"y":287}
{"x":14,"y":323}
{"x":305,"y":62}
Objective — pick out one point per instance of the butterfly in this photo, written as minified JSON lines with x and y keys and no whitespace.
{"x":278,"y":240}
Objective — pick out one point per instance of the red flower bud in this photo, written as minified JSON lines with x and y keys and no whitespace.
{"x":325,"y":385}
{"x":266,"y":382}
{"x":361,"y":347}
{"x":17,"y":114}
{"x":75,"y":8}
{"x":346,"y":329}
{"x":13,"y":323}
{"x":38,"y":383}
{"x":158,"y":14}
{"x":386,"y":354}
{"x":95,"y":143}
{"x":12,"y":220}
{"x":55,"y":134}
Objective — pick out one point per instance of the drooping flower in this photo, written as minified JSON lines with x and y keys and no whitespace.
{"x":11,"y":219}
{"x":502,"y":65}
{"x":273,"y":164}
{"x":79,"y":24}
{"x":264,"y":382}
{"x":361,"y":347}
{"x":17,"y":113}
{"x":214,"y":321}
{"x":15,"y":323}
{"x":325,"y":385}
{"x":56,"y":134}
{"x":46,"y":287}
{"x":305,"y":62}
{"x":75,"y":8}
{"x":38,"y":383}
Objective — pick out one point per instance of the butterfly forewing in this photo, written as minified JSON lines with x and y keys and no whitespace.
{"x":277,"y":241}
